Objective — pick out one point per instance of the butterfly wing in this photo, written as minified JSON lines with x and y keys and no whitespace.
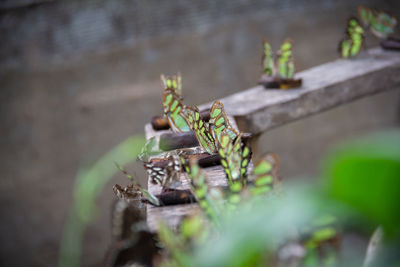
{"x":285,"y":60}
{"x":245,"y":160}
{"x":156,"y":174}
{"x":235,"y":168}
{"x":344,"y":48}
{"x":148,"y":149}
{"x":265,"y":174}
{"x":219,"y":122}
{"x":200,"y":190}
{"x":168,"y":177}
{"x":230,"y":153}
{"x":173,"y":83}
{"x":381,"y":24}
{"x":195,"y":230}
{"x":356,"y":34}
{"x":366,"y":15}
{"x":321,"y":231}
{"x":174,"y":111}
{"x":172,"y":173}
{"x":352,"y":44}
{"x":267,"y":59}
{"x":201,"y":129}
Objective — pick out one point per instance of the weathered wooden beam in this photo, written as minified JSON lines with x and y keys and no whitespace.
{"x":324,"y":87}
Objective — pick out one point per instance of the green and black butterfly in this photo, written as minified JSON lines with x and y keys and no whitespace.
{"x":321,"y":239}
{"x":209,"y":199}
{"x":201,"y":129}
{"x":351,"y":45}
{"x":209,"y":134}
{"x":265,"y":174}
{"x":281,"y":65}
{"x":235,"y":158}
{"x":285,"y":60}
{"x":192,"y":232}
{"x":268,"y":61}
{"x":380,"y":24}
{"x":182,"y":118}
{"x":219,"y":123}
{"x":172,"y":103}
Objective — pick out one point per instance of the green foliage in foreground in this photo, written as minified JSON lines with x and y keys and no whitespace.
{"x":366,"y":176}
{"x":361,"y":190}
{"x":361,"y":183}
{"x":89,"y":183}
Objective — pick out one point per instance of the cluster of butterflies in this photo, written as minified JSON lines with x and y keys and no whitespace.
{"x":235,"y":159}
{"x":282,"y":64}
{"x":379,"y":23}
{"x":217,"y":136}
{"x":182,"y":118}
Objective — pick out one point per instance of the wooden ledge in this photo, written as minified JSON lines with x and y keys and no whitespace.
{"x":326,"y":86}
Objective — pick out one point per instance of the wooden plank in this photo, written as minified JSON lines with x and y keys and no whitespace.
{"x":172,"y":215}
{"x":257,"y":110}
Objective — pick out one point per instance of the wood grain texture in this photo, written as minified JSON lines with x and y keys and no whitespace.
{"x":324,"y":87}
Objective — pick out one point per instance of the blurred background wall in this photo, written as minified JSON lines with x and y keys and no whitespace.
{"x":78,"y":77}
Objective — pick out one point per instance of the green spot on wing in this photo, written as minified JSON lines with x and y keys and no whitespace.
{"x":181,"y":124}
{"x":245,"y":162}
{"x":268,"y":61}
{"x":262,"y":167}
{"x":264,"y":180}
{"x":174,"y":104}
{"x":216,"y":112}
{"x":224,"y":140}
{"x":220,"y":121}
{"x":168,"y":99}
{"x":236,"y":187}
{"x":223,"y":162}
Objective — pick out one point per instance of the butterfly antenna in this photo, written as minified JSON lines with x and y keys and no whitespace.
{"x":125,"y":172}
{"x":135,"y":176}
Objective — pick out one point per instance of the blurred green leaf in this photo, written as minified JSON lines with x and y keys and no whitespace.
{"x":363,"y":178}
{"x":89,"y":183}
{"x":366,"y":176}
{"x":257,"y":229}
